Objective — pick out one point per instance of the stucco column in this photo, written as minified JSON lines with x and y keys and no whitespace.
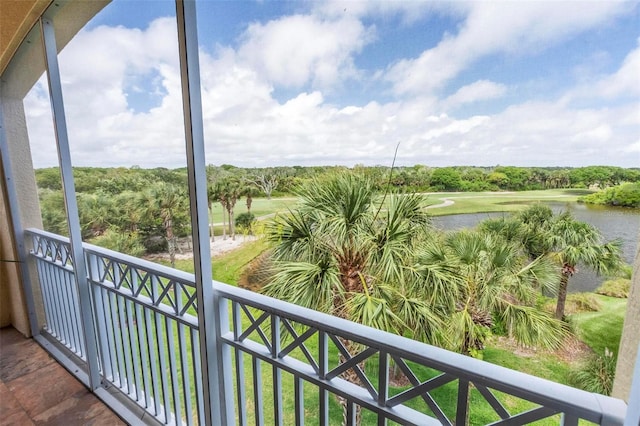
{"x":18,"y":173}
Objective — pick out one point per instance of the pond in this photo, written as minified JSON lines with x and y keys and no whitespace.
{"x":620,"y":223}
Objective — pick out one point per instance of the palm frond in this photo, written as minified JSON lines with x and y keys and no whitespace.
{"x":532,"y":327}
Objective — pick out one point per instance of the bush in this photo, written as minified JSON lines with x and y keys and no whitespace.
{"x":155,"y":244}
{"x":128,"y":243}
{"x":596,"y":374}
{"x":245,"y":221}
{"x":583,"y":302}
{"x":618,"y":287}
{"x":576,"y":303}
{"x":625,"y":195}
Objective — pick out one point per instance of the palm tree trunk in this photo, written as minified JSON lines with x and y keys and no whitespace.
{"x":171,"y":240}
{"x":562,"y":296}
{"x":224,"y":223}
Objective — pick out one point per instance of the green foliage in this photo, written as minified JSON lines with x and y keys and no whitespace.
{"x":446,"y":179}
{"x":601,"y":329}
{"x":619,"y":287}
{"x":582,"y":302}
{"x":128,"y":243}
{"x":245,"y":221}
{"x":625,"y":195}
{"x":155,"y":244}
{"x":596,"y":374}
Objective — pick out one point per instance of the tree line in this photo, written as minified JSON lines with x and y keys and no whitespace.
{"x":136,"y":210}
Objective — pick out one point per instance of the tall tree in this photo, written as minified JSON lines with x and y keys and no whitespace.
{"x":341,"y":253}
{"x":579,"y":242}
{"x":267,"y":182}
{"x":169,"y":203}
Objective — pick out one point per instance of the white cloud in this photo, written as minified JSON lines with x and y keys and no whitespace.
{"x":492,"y":27}
{"x":626,"y":81}
{"x":477,"y":91}
{"x":246,"y":125}
{"x":295,"y":50}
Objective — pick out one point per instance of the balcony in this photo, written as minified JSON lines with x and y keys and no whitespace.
{"x":276,"y":362}
{"x":160,"y":346}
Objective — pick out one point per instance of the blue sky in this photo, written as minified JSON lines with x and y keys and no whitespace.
{"x":342,"y":82}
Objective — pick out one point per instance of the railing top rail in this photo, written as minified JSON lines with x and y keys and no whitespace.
{"x":161,"y":270}
{"x":591,"y":406}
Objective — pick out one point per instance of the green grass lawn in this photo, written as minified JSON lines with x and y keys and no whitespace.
{"x":483,"y":202}
{"x":464,"y":202}
{"x":601,"y":329}
{"x":259,"y":207}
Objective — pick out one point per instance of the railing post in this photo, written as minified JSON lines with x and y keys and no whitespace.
{"x":68,"y":185}
{"x":213,"y":318}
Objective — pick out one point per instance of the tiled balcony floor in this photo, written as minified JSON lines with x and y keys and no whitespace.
{"x":36,"y":390}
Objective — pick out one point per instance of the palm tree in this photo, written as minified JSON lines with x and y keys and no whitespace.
{"x":339,"y":252}
{"x":168,"y":202}
{"x":95,"y":214}
{"x":579,"y":242}
{"x":497,"y":281}
{"x":564,"y":239}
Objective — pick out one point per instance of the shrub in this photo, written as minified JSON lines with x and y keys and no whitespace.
{"x":128,"y":243}
{"x":155,"y":244}
{"x":245,"y":221}
{"x":576,"y":303}
{"x":596,"y":374}
{"x":583,"y":302}
{"x":618,"y":287}
{"x":625,"y":195}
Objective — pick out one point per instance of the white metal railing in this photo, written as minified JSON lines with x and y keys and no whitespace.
{"x":288,"y":362}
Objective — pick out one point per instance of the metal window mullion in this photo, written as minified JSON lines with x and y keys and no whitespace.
{"x":73,"y":221}
{"x":213,"y":319}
